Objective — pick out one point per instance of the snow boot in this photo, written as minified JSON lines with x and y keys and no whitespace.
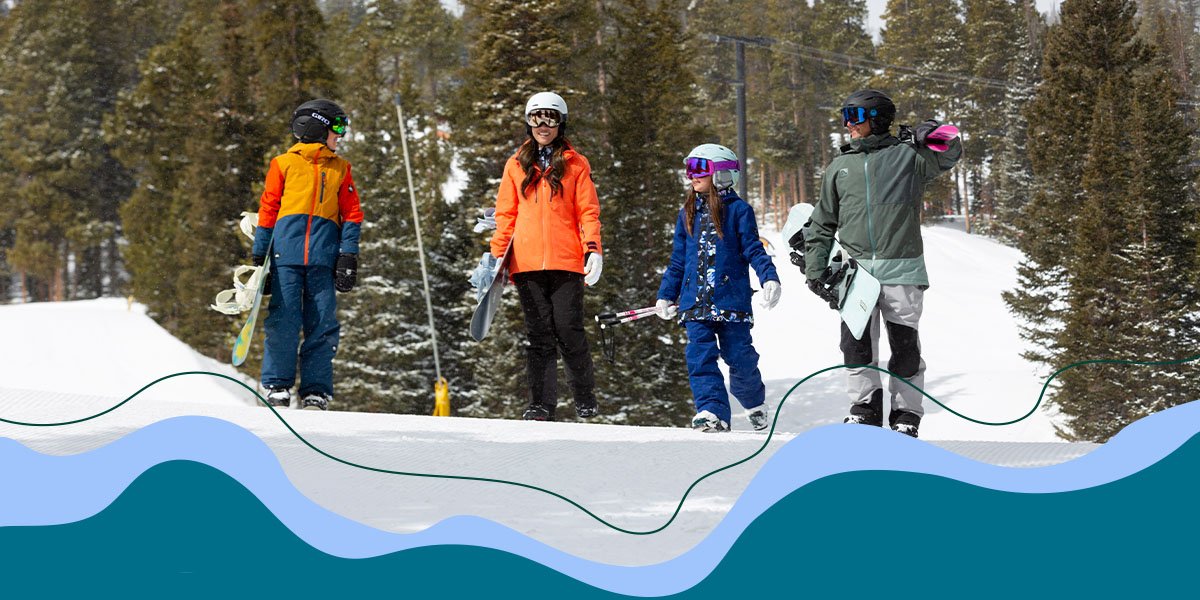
{"x":868,"y":413}
{"x":537,"y":412}
{"x":758,"y":417}
{"x":904,"y":422}
{"x":279,"y":397}
{"x":707,"y":422}
{"x":316,"y":401}
{"x":585,"y":405}
{"x":585,"y":412}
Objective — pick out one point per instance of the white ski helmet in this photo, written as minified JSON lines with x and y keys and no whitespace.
{"x":725,"y":175}
{"x":543,"y":100}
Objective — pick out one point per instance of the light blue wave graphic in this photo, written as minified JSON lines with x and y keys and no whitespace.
{"x":49,"y":490}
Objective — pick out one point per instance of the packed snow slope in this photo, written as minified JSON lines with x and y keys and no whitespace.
{"x":66,"y":361}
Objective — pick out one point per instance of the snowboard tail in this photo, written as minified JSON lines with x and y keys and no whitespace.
{"x":858,"y":291}
{"x":485,"y":310}
{"x":241,"y":346}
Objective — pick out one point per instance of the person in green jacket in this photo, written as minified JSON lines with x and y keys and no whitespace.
{"x":871,"y":197}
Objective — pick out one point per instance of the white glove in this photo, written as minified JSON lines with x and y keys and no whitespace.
{"x":665,"y":310}
{"x":771,"y":291}
{"x":591,"y":269}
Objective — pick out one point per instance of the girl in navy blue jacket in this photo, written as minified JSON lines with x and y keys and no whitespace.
{"x":707,"y":285}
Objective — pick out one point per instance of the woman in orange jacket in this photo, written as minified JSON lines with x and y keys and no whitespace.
{"x":548,"y":210}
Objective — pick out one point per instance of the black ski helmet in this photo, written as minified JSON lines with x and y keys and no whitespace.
{"x":879,"y":108}
{"x":311,"y":120}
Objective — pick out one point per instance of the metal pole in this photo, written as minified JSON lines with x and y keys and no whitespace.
{"x":741,"y":117}
{"x":412,"y":195}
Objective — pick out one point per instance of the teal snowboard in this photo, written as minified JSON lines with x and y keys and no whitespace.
{"x":858,"y":292}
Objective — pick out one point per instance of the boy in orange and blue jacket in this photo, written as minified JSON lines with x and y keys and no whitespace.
{"x":309,"y":220}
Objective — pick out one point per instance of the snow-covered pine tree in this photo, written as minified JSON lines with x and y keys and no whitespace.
{"x":214,"y":187}
{"x":926,"y":36}
{"x":1092,"y":41}
{"x":992,"y":29}
{"x":839,"y":27}
{"x":1012,"y":175}
{"x":517,"y":49}
{"x":1165,"y":230}
{"x":1097,"y":324}
{"x":288,"y":37}
{"x":385,"y":361}
{"x":650,"y":106}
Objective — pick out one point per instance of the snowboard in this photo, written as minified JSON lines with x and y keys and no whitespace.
{"x":241,"y":346}
{"x":858,"y":292}
{"x":485,"y":310}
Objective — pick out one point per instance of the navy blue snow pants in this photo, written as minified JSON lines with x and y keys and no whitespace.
{"x":302,"y":298}
{"x":732,"y":342}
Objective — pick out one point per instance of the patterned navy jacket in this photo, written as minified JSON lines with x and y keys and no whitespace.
{"x":724,"y":287}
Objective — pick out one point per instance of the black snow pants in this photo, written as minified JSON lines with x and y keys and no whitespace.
{"x":553,"y":306}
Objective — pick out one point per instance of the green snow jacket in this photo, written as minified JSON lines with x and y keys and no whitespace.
{"x":871,"y":197}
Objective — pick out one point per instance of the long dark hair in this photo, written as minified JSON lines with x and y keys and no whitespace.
{"x":527,"y":157}
{"x":712,"y":199}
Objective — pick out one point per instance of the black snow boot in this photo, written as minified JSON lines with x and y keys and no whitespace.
{"x":904,"y":422}
{"x":279,"y":397}
{"x":316,"y":401}
{"x":868,"y":413}
{"x":537,"y":412}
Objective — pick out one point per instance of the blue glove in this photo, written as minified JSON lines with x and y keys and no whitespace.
{"x":483,"y":275}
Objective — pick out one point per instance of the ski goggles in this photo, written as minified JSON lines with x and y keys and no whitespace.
{"x":702,"y":167}
{"x":340,"y":124}
{"x":856,"y":114}
{"x":543,"y":118}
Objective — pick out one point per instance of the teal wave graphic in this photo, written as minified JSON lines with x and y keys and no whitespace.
{"x":186,"y":529}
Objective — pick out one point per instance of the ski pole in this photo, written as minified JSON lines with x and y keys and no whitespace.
{"x":616,"y":318}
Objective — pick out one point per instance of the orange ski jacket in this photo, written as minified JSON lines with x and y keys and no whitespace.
{"x":549,"y":231}
{"x":310,"y":207}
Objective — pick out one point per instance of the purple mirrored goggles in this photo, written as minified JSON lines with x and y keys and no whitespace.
{"x":701,"y":167}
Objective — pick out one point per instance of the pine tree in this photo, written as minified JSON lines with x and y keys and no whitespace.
{"x":993,"y":32}
{"x":288,"y":37}
{"x":1165,"y":225}
{"x":386,"y":358}
{"x":64,"y":179}
{"x":840,"y":28}
{"x":1094,"y":41}
{"x":927,"y":39}
{"x":214,"y":191}
{"x":158,"y":113}
{"x":1124,"y":243}
{"x":517,"y":49}
{"x":1094,"y":398}
{"x":193,"y":132}
{"x":1012,"y":174}
{"x":643,"y":383}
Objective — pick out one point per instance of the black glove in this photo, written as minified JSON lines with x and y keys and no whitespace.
{"x":258,"y":262}
{"x":346,"y":273}
{"x":797,"y":259}
{"x":923,"y":130}
{"x":825,"y":286}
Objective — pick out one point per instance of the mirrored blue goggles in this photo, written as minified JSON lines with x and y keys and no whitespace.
{"x":340,"y":124}
{"x":856,"y":114}
{"x":701,"y":167}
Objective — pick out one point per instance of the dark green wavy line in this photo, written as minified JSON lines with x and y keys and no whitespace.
{"x":679,"y":506}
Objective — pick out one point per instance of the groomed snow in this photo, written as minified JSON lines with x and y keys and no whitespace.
{"x":65,"y":361}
